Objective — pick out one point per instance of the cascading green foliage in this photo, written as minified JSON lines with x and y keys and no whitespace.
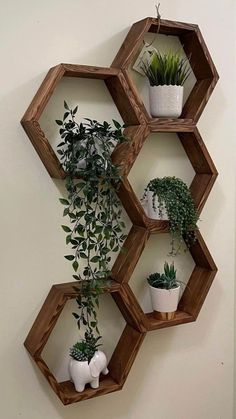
{"x":86,"y":348}
{"x":166,"y":69}
{"x":92,"y":206}
{"x":174,"y":195}
{"x":167,"y":280}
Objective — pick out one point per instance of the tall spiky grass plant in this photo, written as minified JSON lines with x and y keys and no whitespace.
{"x":166,"y":69}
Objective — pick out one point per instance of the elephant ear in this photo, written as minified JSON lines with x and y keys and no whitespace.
{"x":94,"y":368}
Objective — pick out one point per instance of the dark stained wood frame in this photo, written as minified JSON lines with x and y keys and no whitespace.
{"x":114,"y":81}
{"x":140,"y":126}
{"x":199,"y":57}
{"x":121,"y":360}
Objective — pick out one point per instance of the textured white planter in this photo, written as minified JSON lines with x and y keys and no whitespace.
{"x":166,"y":101}
{"x":150,"y":211}
{"x":165,"y":301}
{"x":82,"y":372}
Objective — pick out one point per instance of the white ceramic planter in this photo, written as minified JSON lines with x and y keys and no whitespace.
{"x":150,"y":211}
{"x":165,"y":301}
{"x":82,"y":372}
{"x":166,"y":101}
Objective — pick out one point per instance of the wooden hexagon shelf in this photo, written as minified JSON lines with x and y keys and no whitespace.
{"x":196,"y":151}
{"x":195,"y":49}
{"x":195,"y":292}
{"x":140,"y":125}
{"x":117,"y":86}
{"x":123,"y":355}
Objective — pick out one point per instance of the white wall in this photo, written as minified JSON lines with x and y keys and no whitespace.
{"x":184,"y":372}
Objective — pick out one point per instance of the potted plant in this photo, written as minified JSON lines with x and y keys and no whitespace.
{"x":164,"y":291}
{"x":87,"y":362}
{"x":167,"y":74}
{"x":169,"y":198}
{"x":95,"y":226}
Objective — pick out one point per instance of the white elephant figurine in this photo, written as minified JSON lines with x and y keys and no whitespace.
{"x":82,"y":372}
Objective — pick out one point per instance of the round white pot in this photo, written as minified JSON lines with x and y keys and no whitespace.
{"x":165,"y":301}
{"x":150,"y":211}
{"x":82,"y":372}
{"x":166,"y":101}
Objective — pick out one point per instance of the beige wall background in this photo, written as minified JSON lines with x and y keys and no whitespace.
{"x":185,"y":372}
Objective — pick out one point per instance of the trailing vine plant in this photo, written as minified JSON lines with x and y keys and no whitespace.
{"x":92,"y":207}
{"x":174,"y":195}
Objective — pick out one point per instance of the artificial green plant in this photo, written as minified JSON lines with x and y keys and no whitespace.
{"x":173,"y":194}
{"x":166,"y":69}
{"x":92,"y":207}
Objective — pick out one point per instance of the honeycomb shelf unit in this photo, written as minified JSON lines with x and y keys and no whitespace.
{"x":139,"y":126}
{"x":197,"y":52}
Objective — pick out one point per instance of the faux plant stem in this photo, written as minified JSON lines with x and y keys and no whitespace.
{"x":92,"y":206}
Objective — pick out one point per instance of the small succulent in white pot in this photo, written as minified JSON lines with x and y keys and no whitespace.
{"x":164,"y":291}
{"x":167,"y":74}
{"x":87,"y":362}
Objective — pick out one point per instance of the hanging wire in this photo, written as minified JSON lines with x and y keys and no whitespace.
{"x":158,"y":26}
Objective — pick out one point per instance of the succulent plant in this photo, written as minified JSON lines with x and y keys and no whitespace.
{"x":86,"y":348}
{"x":167,"y":280}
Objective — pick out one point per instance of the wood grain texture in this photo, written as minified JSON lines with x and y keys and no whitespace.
{"x":128,"y":258}
{"x":132,"y":335}
{"x":199,"y":57}
{"x":125,"y":354}
{"x":130,"y":308}
{"x":133,"y":42}
{"x":126,"y":153}
{"x":68,"y":395}
{"x":51,"y":310}
{"x":44,"y":93}
{"x":197,"y":290}
{"x":125,"y":100}
{"x":181,"y":317}
{"x":115,"y":82}
{"x":44,"y":149}
{"x":89,"y":72}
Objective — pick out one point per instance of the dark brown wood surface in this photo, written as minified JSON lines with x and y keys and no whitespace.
{"x":196,"y":51}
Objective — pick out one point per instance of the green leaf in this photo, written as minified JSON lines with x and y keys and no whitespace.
{"x":117,"y":125}
{"x":75,"y":265}
{"x":66,"y":229}
{"x":95,"y":259}
{"x":75,"y":110}
{"x":59,"y":122}
{"x":68,"y":239}
{"x":69,"y":257}
{"x":64,"y":201}
{"x":66,"y":115}
{"x":65,"y":212}
{"x":66,"y":106}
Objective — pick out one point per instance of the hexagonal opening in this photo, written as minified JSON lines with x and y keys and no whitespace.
{"x":92,"y":97}
{"x":192,"y":155}
{"x":152,"y":260}
{"x":194,"y":47}
{"x":195,"y":268}
{"x":163,"y":43}
{"x":116,"y":85}
{"x":56,"y":352}
{"x":120,"y":361}
{"x":161,"y":155}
